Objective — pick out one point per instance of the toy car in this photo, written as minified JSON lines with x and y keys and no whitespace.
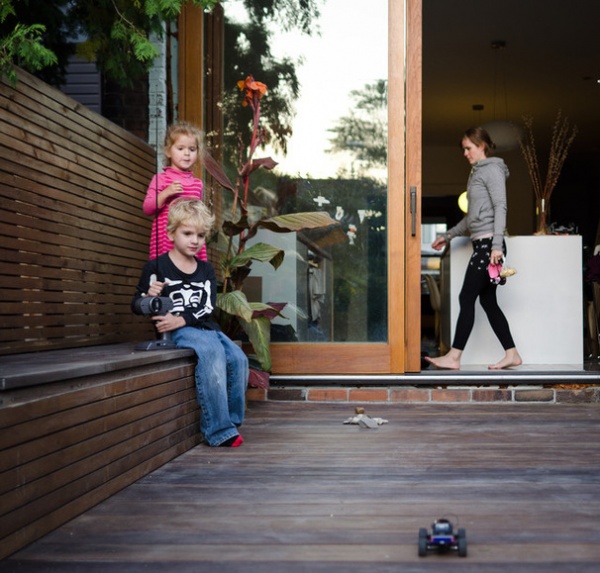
{"x":442,"y":538}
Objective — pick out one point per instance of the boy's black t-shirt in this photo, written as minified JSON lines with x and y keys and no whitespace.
{"x":194,"y":295}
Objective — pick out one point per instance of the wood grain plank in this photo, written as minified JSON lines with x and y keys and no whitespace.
{"x":43,"y":496}
{"x":57,"y":113}
{"x":307,"y":493}
{"x":48,"y":523}
{"x":45,"y":455}
{"x":72,"y":185}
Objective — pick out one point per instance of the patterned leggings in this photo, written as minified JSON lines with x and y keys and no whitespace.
{"x":477,"y":284}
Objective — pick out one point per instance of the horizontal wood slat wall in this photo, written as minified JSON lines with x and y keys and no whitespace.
{"x":77,"y":443}
{"x":73,"y":237}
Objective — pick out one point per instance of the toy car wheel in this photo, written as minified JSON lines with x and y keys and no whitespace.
{"x":461,"y":539}
{"x":423,"y":539}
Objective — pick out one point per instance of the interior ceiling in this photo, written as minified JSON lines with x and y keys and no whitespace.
{"x":551,"y":61}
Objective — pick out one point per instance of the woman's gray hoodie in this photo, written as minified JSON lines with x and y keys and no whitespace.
{"x":486,"y":194}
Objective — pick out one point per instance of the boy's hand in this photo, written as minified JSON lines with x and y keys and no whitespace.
{"x":155,"y":287}
{"x":168,"y":322}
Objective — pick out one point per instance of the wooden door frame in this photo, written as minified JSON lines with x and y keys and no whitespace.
{"x":396,"y":185}
{"x":413,"y":181}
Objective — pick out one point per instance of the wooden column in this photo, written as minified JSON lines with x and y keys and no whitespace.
{"x":190,"y":65}
{"x":213,"y":124}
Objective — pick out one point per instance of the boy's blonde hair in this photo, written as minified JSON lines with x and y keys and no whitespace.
{"x":182,"y":128}
{"x":192,"y":212}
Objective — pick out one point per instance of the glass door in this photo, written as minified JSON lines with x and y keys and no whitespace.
{"x":352,"y":291}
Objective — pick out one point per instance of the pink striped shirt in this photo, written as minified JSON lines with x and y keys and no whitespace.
{"x":192,"y":189}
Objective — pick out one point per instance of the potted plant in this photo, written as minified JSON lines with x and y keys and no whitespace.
{"x":239,"y":226}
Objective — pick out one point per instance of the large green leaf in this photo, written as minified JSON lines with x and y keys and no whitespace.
{"x":298,"y":221}
{"x":258,"y":252}
{"x":259,"y":333}
{"x":235,"y":303}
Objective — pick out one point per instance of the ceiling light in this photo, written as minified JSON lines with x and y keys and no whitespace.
{"x":504,"y":133}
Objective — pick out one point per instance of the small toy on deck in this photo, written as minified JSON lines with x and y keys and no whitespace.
{"x":442,"y":539}
{"x":363,"y":420}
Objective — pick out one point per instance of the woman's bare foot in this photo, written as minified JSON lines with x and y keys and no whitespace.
{"x":450,"y":361}
{"x":511,"y":358}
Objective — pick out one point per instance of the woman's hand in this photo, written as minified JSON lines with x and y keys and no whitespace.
{"x":496,"y":257}
{"x":168,"y":322}
{"x":439,"y":243}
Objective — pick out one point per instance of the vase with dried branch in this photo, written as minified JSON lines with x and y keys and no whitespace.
{"x":562,"y":138}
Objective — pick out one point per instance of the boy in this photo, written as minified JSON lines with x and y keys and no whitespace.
{"x":222,"y":368}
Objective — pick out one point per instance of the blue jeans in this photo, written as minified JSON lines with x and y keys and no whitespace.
{"x":221,"y":381}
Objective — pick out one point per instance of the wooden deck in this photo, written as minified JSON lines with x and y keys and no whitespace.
{"x":308,"y":493}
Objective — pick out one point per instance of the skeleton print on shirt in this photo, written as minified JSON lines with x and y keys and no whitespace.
{"x":190,"y":296}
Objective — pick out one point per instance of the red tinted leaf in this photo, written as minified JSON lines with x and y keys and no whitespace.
{"x":258,"y":379}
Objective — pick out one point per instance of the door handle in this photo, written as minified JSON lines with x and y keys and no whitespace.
{"x":413,"y":211}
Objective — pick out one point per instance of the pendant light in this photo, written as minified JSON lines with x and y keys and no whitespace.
{"x":504,"y":133}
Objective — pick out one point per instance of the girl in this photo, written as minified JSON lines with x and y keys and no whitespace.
{"x":183,"y":144}
{"x":485,"y":223}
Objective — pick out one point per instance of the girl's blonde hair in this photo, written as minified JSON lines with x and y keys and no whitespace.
{"x":192,"y":212}
{"x":182,"y":128}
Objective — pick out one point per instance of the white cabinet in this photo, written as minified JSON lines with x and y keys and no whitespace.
{"x":543,"y":302}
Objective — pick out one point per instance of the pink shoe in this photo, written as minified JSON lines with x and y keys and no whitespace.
{"x":495,"y":274}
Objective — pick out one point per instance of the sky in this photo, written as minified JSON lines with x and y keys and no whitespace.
{"x":350,"y":53}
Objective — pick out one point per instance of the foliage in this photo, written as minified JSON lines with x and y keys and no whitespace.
{"x":247,"y":47}
{"x":364,"y":132}
{"x":236,"y":260}
{"x":117,"y":33}
{"x":21,"y":44}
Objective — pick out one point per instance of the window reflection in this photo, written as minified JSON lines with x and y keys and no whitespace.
{"x":335,"y":279}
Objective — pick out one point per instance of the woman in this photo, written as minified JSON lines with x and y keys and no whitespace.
{"x":485,"y":223}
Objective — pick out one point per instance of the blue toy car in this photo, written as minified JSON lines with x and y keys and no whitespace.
{"x":442,"y":539}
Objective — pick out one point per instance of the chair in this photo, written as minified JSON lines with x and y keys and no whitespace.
{"x":435,"y":299}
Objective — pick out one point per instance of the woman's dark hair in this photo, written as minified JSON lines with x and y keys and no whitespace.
{"x":480,"y":136}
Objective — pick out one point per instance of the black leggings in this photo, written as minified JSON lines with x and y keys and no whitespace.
{"x":477,"y":284}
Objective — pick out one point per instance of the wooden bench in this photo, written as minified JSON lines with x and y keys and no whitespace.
{"x":82,"y":414}
{"x":77,"y":426}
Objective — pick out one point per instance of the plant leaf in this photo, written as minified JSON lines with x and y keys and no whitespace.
{"x":258,"y":379}
{"x":270,"y":310}
{"x":259,"y":252}
{"x":217,"y":171}
{"x":232,"y":228}
{"x":235,"y":303}
{"x":298,"y":222}
{"x":266,"y":162}
{"x":259,"y":333}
